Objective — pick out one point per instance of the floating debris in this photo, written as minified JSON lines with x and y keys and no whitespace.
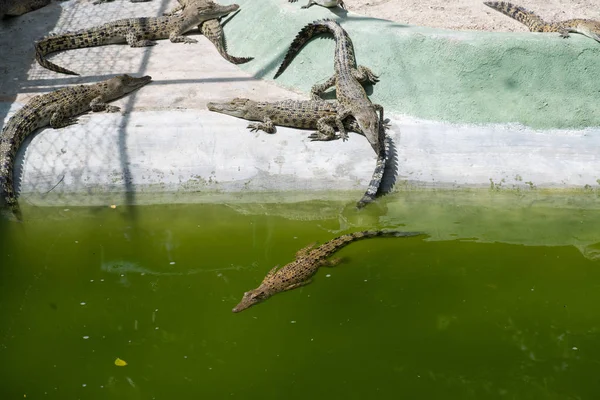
{"x":120,"y":363}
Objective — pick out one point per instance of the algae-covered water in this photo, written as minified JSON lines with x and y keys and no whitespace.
{"x":500,"y":301}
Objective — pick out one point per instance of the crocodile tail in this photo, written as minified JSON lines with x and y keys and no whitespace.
{"x":373,"y":188}
{"x":46,"y":46}
{"x":8,"y":200}
{"x":528,"y":18}
{"x":341,"y":241}
{"x":310,"y":30}
{"x":370,"y":234}
{"x":214,"y":32}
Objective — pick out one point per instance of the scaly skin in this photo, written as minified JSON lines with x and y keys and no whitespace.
{"x":323,"y":3}
{"x":56,"y":109}
{"x":137,"y":32}
{"x":347,"y":80}
{"x":213,"y":31}
{"x":15,"y":8}
{"x":308,"y":114}
{"x":587,"y":27}
{"x":307,"y":262}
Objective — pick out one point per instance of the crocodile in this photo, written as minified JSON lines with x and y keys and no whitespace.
{"x":137,"y":32}
{"x":57,"y":109}
{"x":304,"y":114}
{"x":308,"y":260}
{"x":347,"y":79}
{"x":323,"y":3}
{"x":587,"y":27}
{"x":14,"y":8}
{"x":213,"y":30}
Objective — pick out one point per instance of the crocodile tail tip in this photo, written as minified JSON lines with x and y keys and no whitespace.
{"x":40,"y":56}
{"x":241,"y":60}
{"x":305,"y":34}
{"x":366,"y":199}
{"x":51,"y":66}
{"x":12,"y":212}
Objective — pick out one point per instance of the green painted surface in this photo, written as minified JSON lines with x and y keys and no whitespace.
{"x":498,"y":303}
{"x":539,"y":80}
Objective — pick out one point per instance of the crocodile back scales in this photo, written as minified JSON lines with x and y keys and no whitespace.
{"x":152,"y":28}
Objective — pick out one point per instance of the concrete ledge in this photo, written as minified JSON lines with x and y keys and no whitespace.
{"x":152,"y":152}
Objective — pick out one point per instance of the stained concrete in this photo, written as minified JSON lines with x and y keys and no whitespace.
{"x":167,"y":142}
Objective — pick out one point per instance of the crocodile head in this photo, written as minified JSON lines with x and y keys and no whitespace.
{"x":237,"y":107}
{"x":209,"y":10}
{"x":368,"y":120}
{"x":123,"y":84}
{"x":251,"y":298}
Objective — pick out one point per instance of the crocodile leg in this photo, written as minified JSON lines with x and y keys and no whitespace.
{"x":60,"y":118}
{"x":266,"y":125}
{"x":379,"y":107}
{"x":176,"y":36}
{"x":364,"y":74}
{"x":361,"y":74}
{"x":342,"y":114}
{"x":332,"y":263}
{"x":133,"y":40}
{"x":98,"y":104}
{"x":303,"y":252}
{"x":297,"y":285}
{"x":317,"y":90}
{"x":325,"y":130}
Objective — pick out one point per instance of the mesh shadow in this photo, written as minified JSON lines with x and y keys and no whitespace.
{"x":17,"y":35}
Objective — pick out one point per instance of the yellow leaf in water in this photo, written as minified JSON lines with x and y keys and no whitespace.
{"x":120,"y":363}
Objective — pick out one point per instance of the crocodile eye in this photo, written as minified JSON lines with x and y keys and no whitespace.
{"x":258,"y":296}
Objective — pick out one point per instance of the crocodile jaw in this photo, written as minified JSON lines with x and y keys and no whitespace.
{"x":251,"y":298}
{"x":368,"y":120}
{"x":236,"y":107}
{"x":214,"y":11}
{"x":123,"y":84}
{"x":131,"y":83}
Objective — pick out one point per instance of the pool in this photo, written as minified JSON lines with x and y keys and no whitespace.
{"x":499,"y":301}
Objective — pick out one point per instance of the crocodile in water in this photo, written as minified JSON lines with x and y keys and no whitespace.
{"x":137,"y":32}
{"x":56,"y":109}
{"x":307,"y":262}
{"x":585,"y":27}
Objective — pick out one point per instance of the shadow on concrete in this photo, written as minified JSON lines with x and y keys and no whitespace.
{"x":38,"y":86}
{"x":17,"y":59}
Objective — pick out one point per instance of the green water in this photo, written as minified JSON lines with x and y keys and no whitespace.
{"x":500,"y":302}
